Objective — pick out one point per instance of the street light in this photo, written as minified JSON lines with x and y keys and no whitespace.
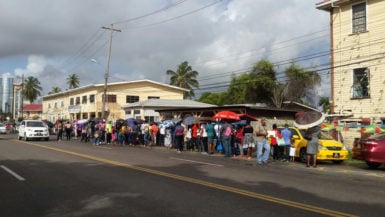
{"x":105,"y":88}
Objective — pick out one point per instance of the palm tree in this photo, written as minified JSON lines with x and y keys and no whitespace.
{"x":73,"y":81}
{"x":32,"y":88}
{"x":55,"y":90}
{"x":184,"y":77}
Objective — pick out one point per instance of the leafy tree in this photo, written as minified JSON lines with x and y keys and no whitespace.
{"x":32,"y":88}
{"x":213,"y":98}
{"x":184,"y":77}
{"x":73,"y":81}
{"x":55,"y":90}
{"x":300,"y":83}
{"x":325,"y":103}
{"x":278,"y":95}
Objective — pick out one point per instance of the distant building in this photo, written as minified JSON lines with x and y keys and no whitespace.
{"x":87,"y":102}
{"x":6,"y":96}
{"x":32,"y":111}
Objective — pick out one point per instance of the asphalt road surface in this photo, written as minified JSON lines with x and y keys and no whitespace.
{"x":69,"y":179}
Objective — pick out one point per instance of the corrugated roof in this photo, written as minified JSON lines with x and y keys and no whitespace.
{"x":168,"y":103}
{"x":33,"y":107}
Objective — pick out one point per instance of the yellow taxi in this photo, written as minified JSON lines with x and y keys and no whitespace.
{"x":328,"y":148}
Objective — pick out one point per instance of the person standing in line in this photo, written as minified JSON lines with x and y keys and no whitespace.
{"x":59,"y":130}
{"x":68,"y":128}
{"x":248,"y":141}
{"x":204,"y":138}
{"x":179,"y":137}
{"x":312,"y":145}
{"x":194,"y":137}
{"x":286,"y":135}
{"x":263,"y":148}
{"x":226,"y":132}
{"x":210,"y":137}
{"x":145,"y":127}
{"x":292,"y":149}
{"x":239,"y":137}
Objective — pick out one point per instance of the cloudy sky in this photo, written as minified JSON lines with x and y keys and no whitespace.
{"x":219,"y":38}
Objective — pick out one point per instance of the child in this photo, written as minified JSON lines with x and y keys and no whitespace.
{"x":292,"y":149}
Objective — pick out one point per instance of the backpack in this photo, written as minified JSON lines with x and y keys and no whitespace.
{"x":228,"y":131}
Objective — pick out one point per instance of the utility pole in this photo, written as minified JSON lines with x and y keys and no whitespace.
{"x":111,"y":29}
{"x":22,"y":96}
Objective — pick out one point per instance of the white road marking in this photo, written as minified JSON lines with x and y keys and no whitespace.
{"x":12,"y":173}
{"x":199,"y":162}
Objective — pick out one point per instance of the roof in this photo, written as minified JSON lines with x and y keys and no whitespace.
{"x":115,"y":83}
{"x":327,"y":4}
{"x":168,"y":103}
{"x":33,"y":107}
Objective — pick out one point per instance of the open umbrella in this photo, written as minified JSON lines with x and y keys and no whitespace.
{"x":227,"y":115}
{"x":306,"y":120}
{"x":189,"y":120}
{"x":247,"y":117}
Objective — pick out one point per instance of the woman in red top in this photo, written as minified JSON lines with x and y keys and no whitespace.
{"x":239,"y":139}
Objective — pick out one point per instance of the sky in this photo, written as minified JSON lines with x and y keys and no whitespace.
{"x":51,"y":40}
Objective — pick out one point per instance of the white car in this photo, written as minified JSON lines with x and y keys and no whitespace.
{"x":33,"y":129}
{"x":3,"y":128}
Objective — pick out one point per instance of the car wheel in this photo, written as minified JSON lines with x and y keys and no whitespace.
{"x":47,"y":139}
{"x":19,"y":137}
{"x":302,"y":155}
{"x":373,"y":165}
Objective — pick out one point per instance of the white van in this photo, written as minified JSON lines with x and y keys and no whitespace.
{"x":33,"y":129}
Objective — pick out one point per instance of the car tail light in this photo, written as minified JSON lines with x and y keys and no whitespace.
{"x":370,"y":145}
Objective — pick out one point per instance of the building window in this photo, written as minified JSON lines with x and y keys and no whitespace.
{"x":72,"y":101}
{"x":78,"y":100}
{"x":49,"y":105}
{"x":110,"y":98}
{"x":132,"y":99}
{"x":62,"y":103}
{"x":92,"y":98}
{"x":55,"y":105}
{"x":84,"y":99}
{"x":128,"y":112}
{"x":136,"y":112}
{"x":153,"y":97}
{"x":359,"y":18}
{"x":361,"y":83}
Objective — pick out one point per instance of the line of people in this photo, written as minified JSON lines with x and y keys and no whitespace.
{"x":206,"y":138}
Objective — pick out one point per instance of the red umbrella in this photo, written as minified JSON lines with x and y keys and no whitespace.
{"x":227,"y":115}
{"x":247,"y":117}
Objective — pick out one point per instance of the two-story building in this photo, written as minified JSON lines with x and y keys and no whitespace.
{"x":87,"y":102}
{"x":357,"y":71}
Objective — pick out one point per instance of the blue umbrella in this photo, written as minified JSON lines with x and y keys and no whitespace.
{"x":131,"y":122}
{"x":167,"y":123}
{"x":189,"y":120}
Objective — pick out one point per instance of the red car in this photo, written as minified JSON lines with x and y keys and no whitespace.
{"x":371,"y":150}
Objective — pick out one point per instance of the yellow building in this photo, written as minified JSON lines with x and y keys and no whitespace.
{"x":87,"y":102}
{"x":357,"y":34}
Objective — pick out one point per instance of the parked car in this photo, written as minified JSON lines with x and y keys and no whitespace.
{"x":371,"y":150}
{"x":3,"y":128}
{"x":33,"y":129}
{"x":328,"y":148}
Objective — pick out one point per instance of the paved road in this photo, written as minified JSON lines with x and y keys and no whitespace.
{"x":69,"y":178}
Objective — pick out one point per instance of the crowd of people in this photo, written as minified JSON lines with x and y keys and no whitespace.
{"x":225,"y":137}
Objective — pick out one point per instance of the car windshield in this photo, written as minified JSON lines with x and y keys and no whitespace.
{"x":35,"y":124}
{"x":323,"y":135}
{"x":2,"y":124}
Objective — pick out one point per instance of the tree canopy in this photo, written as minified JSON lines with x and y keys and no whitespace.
{"x":31,"y":88}
{"x":73,"y":81}
{"x":184,"y":77}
